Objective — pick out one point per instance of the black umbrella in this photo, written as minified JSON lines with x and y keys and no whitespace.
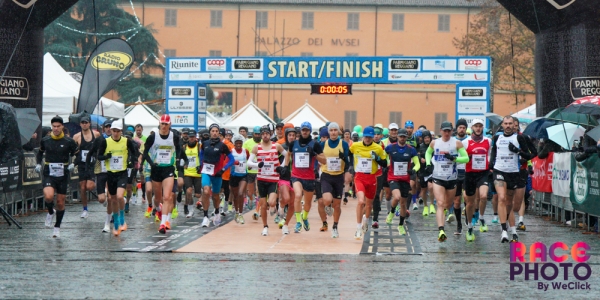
{"x":585,"y":108}
{"x":594,"y":133}
{"x":537,"y":128}
{"x":28,"y":121}
{"x":495,"y":119}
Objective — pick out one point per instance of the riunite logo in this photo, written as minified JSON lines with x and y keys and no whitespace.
{"x":175,"y":64}
{"x":25,"y":4}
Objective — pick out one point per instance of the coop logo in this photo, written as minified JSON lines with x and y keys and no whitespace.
{"x":540,"y":268}
{"x":466,"y":64}
{"x":112,"y":60}
{"x":473,"y":62}
{"x":580,"y":183}
{"x":558,"y":6}
{"x":24,"y":3}
{"x":216,"y":64}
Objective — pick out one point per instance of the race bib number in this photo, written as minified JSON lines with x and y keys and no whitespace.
{"x":116,"y":162}
{"x":334,"y":164}
{"x":507,"y":158}
{"x":102,"y":166}
{"x":479,"y":161}
{"x":208,"y":169}
{"x":445,"y":169}
{"x":400,"y":168}
{"x":240,"y":168}
{"x":57,"y":169}
{"x":301,"y":160}
{"x":192,"y":162}
{"x":268,"y":169}
{"x":365,"y":165}
{"x":84,"y":154}
{"x":163,"y":156}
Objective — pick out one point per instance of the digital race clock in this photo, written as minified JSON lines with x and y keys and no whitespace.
{"x":331,"y":89}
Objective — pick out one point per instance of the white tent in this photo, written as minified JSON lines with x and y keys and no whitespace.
{"x":142,"y":114}
{"x":249,"y":116}
{"x":211,"y":119}
{"x":306,"y":113}
{"x":61,"y":92}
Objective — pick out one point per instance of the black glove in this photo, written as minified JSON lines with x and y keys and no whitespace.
{"x":261,"y":164}
{"x":129,"y":165}
{"x":428,"y":170}
{"x":342,"y":156}
{"x":108,"y":155}
{"x":279,"y":170}
{"x":198,"y":169}
{"x":513,"y":148}
{"x":522,"y":161}
{"x":449,"y":156}
{"x":530,"y":169}
{"x":410,"y":172}
{"x":153,"y":165}
{"x":374,"y":156}
{"x":220,"y":173}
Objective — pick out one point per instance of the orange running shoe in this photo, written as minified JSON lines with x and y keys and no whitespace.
{"x":123,"y":227}
{"x":168,"y":225}
{"x":162,"y":229}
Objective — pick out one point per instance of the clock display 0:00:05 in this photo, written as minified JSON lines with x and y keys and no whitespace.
{"x":331,"y":89}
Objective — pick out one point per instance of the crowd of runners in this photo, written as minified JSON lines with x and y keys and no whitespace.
{"x":279,"y":170}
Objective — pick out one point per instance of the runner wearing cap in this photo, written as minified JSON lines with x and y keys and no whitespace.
{"x":239,"y":172}
{"x":403,"y":161}
{"x":441,"y":159}
{"x":286,"y":191}
{"x":57,"y":150}
{"x":251,"y":177}
{"x":85,"y":140}
{"x":191,"y":174}
{"x":265,"y":157}
{"x":425,"y":180}
{"x":507,"y":149}
{"x":212,"y":155}
{"x":455,"y":211}
{"x":302,"y":157}
{"x":106,"y":128}
{"x":161,"y":151}
{"x":278,"y":132}
{"x":476,"y":178}
{"x":117,"y":153}
{"x":366,"y":157}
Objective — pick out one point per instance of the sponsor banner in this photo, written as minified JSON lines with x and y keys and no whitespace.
{"x":14,"y":88}
{"x":251,"y":64}
{"x":585,"y":86}
{"x":30,"y":176}
{"x":472,"y":92}
{"x":432,"y":76}
{"x":202,"y":106}
{"x":216,"y":64}
{"x":561,"y":174}
{"x":182,"y":119}
{"x":216,"y":76}
{"x":473,"y":64}
{"x":181,"y":92}
{"x":201,"y":92}
{"x":176,"y":105}
{"x":184,"y":65}
{"x":404,"y":64}
{"x":585,"y":191}
{"x":541,"y":180}
{"x":439,"y":64}
{"x":472,"y":107}
{"x":10,"y":176}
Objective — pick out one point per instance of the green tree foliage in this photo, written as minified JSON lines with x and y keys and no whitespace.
{"x":110,"y":21}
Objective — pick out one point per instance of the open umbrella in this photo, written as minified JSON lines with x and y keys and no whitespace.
{"x":28,"y":122}
{"x":589,"y":99}
{"x":537,"y":128}
{"x":495,"y":119}
{"x":586,"y":108}
{"x":594,"y":133}
{"x":575,"y":118}
{"x":564,"y":134}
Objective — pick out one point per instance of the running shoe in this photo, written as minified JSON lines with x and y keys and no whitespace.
{"x":329,"y":210}
{"x":186,"y":211}
{"x":401,"y":230}
{"x":390,"y":218}
{"x":420,"y":201}
{"x":265,"y":231}
{"x":205,"y":222}
{"x":504,"y":238}
{"x":334,"y":233}
{"x":158,"y":217}
{"x":56,"y":232}
{"x":515,"y":238}
{"x":277,"y":219}
{"x":375,"y":225}
{"x":84,"y":214}
{"x":124,"y":227}
{"x":521,"y":226}
{"x":475,"y":218}
{"x":199,"y":205}
{"x":458,"y":229}
{"x":431,"y":209}
{"x":116,"y":232}
{"x":148,"y":212}
{"x":425,"y":211}
{"x":217,"y":220}
{"x":106,"y":228}
{"x":285,"y":229}
{"x":365,"y":226}
{"x":168,"y":225}
{"x":298,"y":227}
{"x":281,"y":223}
{"x":162,"y":229}
{"x":255,"y":216}
{"x":495,"y":220}
{"x":451,"y":218}
{"x":236,"y":218}
{"x":483,"y":227}
{"x":229,"y":207}
{"x":324,"y":227}
{"x":242,"y":219}
{"x":415,"y":206}
{"x":174,"y":212}
{"x":306,"y":225}
{"x":358,"y":235}
{"x":442,"y":236}
{"x":49,"y":218}
{"x":126,"y":208}
{"x":470,"y":236}
{"x":281,"y":212}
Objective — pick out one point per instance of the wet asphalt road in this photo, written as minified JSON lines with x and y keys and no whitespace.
{"x":84,"y":263}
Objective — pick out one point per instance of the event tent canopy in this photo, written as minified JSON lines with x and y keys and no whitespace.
{"x":249,"y":116}
{"x":306,"y":113}
{"x":142,"y":114}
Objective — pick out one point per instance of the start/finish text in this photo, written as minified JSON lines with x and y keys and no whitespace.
{"x":326,"y":69}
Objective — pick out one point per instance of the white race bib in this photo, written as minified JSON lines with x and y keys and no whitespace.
{"x":84,"y":154}
{"x":208,"y":169}
{"x":334,"y":164}
{"x":478,"y":161}
{"x":365,"y":165}
{"x":192,"y":162}
{"x":116,"y":162}
{"x":400,"y":168}
{"x":102,"y":166}
{"x":163,"y":156}
{"x":268,"y":168}
{"x":445,"y":168}
{"x":240,"y":168}
{"x":57,"y":169}
{"x":301,"y":160}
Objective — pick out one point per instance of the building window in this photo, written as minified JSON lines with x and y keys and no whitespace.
{"x":439,"y":118}
{"x":306,"y":54}
{"x":349,"y":118}
{"x":308,"y":20}
{"x":170,"y":52}
{"x":396,"y":117}
{"x":214,"y":53}
{"x":262,"y":18}
{"x":353,"y":21}
{"x":261,"y":53}
{"x":444,"y":23}
{"x":216,"y":18}
{"x":398,"y":22}
{"x":170,"y":17}
{"x":351,"y":54}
